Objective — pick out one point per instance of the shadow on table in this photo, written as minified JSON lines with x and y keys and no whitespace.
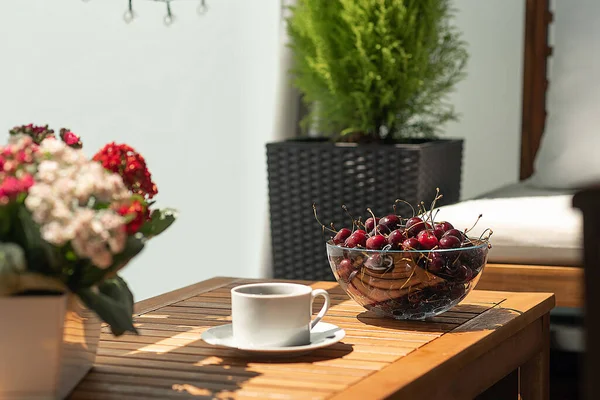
{"x":332,"y":352}
{"x":164,"y":363}
{"x":473,"y":320}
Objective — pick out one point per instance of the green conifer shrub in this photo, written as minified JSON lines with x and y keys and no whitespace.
{"x":372,"y":70}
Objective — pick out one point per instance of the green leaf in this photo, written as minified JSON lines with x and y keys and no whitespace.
{"x":113,"y":302}
{"x":41,"y":256}
{"x":15,"y":278}
{"x":6,"y":213}
{"x":12,"y":263}
{"x":159,"y":221}
{"x":92,"y":274}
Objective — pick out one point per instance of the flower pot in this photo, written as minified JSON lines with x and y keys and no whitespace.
{"x":303,"y":172}
{"x":47,"y":345}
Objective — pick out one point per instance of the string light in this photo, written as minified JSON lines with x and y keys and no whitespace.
{"x":202,"y":7}
{"x":169,"y":17}
{"x":129,"y":15}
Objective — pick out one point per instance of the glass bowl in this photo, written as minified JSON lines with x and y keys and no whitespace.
{"x":414,"y":284}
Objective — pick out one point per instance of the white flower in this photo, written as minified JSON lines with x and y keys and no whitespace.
{"x":52,"y":146}
{"x":65,"y":182}
{"x":47,"y":171}
{"x":53,"y":233}
{"x":117,"y":241}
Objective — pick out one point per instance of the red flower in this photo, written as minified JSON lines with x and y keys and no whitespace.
{"x":125,"y":161}
{"x":137,"y":212}
{"x":70,"y":139}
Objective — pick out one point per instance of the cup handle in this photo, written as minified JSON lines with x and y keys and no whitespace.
{"x":321,"y":314}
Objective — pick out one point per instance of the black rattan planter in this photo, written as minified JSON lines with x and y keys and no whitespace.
{"x":303,"y":172}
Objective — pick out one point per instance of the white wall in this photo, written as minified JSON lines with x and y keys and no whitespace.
{"x":199,"y":99}
{"x":489,"y":99}
{"x":196,"y":99}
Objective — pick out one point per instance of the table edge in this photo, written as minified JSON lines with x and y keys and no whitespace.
{"x":377,"y":384}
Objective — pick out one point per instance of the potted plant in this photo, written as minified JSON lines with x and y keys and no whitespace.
{"x":374,"y":76}
{"x":68,"y":225}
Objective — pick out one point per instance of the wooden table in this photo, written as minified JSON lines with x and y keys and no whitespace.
{"x":474,"y":349}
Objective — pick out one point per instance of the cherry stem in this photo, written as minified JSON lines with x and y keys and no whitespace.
{"x":374,"y":220}
{"x":351,"y":217}
{"x":436,"y":213}
{"x":317,"y":218}
{"x":476,"y":221}
{"x":489,"y":232}
{"x":435,"y":199}
{"x":425,"y":217}
{"x":409,"y":277}
{"x":405,"y":202}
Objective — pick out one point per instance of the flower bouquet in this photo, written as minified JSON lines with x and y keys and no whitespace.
{"x":68,"y":225}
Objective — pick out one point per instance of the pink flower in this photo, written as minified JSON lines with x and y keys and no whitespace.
{"x":26,"y":182}
{"x":11,"y":187}
{"x":25,"y":156}
{"x":70,"y":139}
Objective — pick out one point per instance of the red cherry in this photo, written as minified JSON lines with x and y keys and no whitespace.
{"x":358,"y":238}
{"x":370,"y":224}
{"x":436,"y":263}
{"x":381,"y":229}
{"x":376,"y":242}
{"x":455,"y":232}
{"x":374,"y":261}
{"x":463,"y":273}
{"x":411,"y":244}
{"x":438,"y":231}
{"x":390,"y":221}
{"x":413,"y":221}
{"x":342,"y":235}
{"x":416,"y":225}
{"x":396,"y":238}
{"x":427,"y":239}
{"x":345,"y":268}
{"x":446,"y":225}
{"x":449,"y":242}
{"x":473,"y":258}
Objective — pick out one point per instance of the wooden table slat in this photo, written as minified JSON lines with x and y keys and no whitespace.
{"x":377,"y":358}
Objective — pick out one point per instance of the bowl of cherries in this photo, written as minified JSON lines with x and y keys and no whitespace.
{"x":406,"y":268}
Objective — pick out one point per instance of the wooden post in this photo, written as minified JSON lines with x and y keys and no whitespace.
{"x":534,"y":375}
{"x":589,"y":203}
{"x":535,"y":82}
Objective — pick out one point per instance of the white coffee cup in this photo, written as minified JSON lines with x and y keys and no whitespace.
{"x":274,"y":314}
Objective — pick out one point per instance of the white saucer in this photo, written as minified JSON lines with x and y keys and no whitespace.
{"x":322,"y":335}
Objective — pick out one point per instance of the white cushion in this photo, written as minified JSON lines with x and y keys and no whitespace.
{"x":569,"y":155}
{"x":544,"y":230}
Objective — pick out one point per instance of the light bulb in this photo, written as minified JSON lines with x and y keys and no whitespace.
{"x":128,"y":16}
{"x":168,"y":20}
{"x":202,"y":8}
